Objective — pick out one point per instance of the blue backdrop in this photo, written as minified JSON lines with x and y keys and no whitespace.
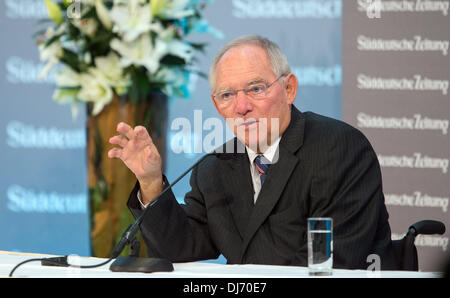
{"x":43,"y":191}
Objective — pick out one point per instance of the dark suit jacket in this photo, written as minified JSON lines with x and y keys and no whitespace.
{"x":326,"y":168}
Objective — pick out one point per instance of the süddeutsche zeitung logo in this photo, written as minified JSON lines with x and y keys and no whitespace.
{"x":415,"y":83}
{"x":20,"y":199}
{"x":35,"y":9}
{"x":417,"y":199}
{"x":375,"y":8}
{"x":24,"y":71}
{"x":416,"y":44}
{"x":22,"y":135}
{"x":415,"y":161}
{"x":25,"y":9}
{"x":286,"y":9}
{"x":416,"y":122}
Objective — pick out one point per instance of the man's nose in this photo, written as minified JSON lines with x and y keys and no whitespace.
{"x":243,"y":104}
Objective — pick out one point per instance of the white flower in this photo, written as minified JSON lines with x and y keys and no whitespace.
{"x":110,"y":67}
{"x":175,"y":46}
{"x":175,"y":9}
{"x":141,"y":52}
{"x":175,"y":81}
{"x":103,"y":14}
{"x":51,"y":53}
{"x":68,"y":85}
{"x":66,"y":77}
{"x":132,"y":18}
{"x":181,"y":49}
{"x":95,"y":89}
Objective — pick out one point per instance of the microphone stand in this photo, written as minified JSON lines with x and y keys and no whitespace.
{"x":133,"y":263}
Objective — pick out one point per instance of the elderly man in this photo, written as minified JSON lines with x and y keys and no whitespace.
{"x":251,"y":206}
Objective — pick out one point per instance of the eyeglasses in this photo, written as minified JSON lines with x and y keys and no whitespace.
{"x":254,"y":91}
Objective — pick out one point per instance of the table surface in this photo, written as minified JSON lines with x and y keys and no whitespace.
{"x":181,"y":270}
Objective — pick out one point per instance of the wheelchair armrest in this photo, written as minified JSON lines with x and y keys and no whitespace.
{"x":427,"y":227}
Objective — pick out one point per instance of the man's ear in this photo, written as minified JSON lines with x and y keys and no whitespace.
{"x":291,"y":87}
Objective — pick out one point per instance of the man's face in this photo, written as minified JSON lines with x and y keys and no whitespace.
{"x":256,"y":122}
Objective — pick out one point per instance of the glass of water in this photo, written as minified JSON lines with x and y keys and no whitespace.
{"x":320,"y":246}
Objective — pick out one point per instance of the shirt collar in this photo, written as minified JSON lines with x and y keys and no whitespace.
{"x":269,"y":153}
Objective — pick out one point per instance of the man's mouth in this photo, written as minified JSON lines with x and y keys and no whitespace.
{"x":248,"y":123}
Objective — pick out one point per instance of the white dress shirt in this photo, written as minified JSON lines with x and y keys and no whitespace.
{"x":270,"y":154}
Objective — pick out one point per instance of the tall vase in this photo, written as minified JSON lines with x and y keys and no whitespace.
{"x":110,"y":181}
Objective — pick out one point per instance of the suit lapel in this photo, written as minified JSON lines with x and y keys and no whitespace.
{"x":277,"y":176}
{"x":241,"y":189}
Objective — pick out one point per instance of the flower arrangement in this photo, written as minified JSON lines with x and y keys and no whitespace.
{"x":124,"y":47}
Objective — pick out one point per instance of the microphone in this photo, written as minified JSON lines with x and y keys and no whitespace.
{"x":134,"y":263}
{"x":130,"y":263}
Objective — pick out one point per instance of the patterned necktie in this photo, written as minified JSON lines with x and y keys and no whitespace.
{"x":262,"y":164}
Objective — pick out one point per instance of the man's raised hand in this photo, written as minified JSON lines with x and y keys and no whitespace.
{"x":138,"y":152}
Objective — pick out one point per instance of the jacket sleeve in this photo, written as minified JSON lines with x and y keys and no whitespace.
{"x":347,"y":186}
{"x":173,"y":231}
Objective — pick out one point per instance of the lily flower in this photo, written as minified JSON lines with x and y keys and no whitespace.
{"x":141,"y":52}
{"x":132,"y":18}
{"x":95,"y":89}
{"x":110,"y":67}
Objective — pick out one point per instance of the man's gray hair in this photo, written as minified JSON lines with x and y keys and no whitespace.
{"x":277,"y":59}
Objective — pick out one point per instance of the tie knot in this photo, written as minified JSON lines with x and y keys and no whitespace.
{"x":262,"y":164}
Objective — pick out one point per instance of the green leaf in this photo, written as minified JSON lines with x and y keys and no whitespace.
{"x":89,"y":14}
{"x":96,"y":198}
{"x":156,"y":6}
{"x":43,"y":21}
{"x":73,"y":31}
{"x":52,"y":40}
{"x":71,"y":59}
{"x":199,"y":46}
{"x":199,"y":73}
{"x":172,"y":60}
{"x":99,"y":45}
{"x":54,"y":11}
{"x":38,"y":33}
{"x":65,"y":94}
